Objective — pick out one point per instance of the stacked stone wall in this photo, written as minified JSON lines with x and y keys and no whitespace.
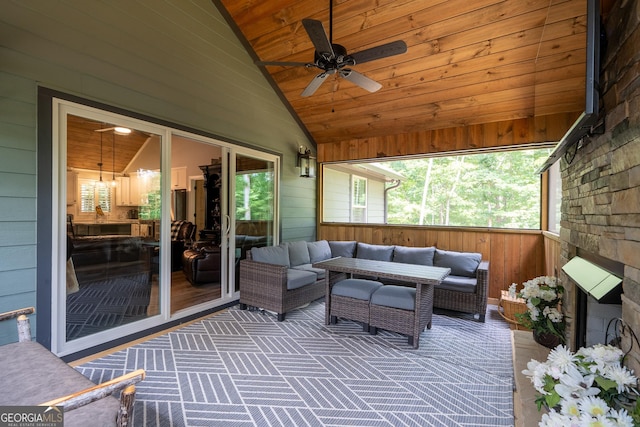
{"x":601,"y":182}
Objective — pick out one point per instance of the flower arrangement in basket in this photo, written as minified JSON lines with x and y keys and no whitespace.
{"x":588,"y":388}
{"x":543,"y":297}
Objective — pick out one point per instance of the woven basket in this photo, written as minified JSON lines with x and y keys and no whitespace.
{"x":508,"y":307}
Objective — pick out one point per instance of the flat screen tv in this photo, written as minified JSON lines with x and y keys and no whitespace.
{"x":585,"y":123}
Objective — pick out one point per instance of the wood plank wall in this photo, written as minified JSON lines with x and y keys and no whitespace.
{"x":551,"y":254}
{"x":540,"y":129}
{"x":514,"y":256}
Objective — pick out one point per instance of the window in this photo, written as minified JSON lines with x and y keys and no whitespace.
{"x":499,"y":189}
{"x":358,"y":199}
{"x":92,"y":196}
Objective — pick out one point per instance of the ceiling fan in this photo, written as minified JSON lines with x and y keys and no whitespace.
{"x":332,"y":58}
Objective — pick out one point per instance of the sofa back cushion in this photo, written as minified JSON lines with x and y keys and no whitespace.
{"x":298,"y":253}
{"x":374,"y":252}
{"x":319,"y":251}
{"x":278,"y":255}
{"x":409,"y":255}
{"x":461,"y":263}
{"x":345,"y":249}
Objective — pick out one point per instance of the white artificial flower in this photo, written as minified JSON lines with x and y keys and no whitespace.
{"x":552,"y":314}
{"x":573,"y":385}
{"x":593,"y":406}
{"x":597,"y":421}
{"x":623,"y":377}
{"x":570,"y":408}
{"x":536,"y":371}
{"x":562,"y":357}
{"x":621,"y":418}
{"x":555,"y":419}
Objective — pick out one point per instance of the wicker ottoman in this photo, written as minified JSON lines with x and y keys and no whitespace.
{"x":350,"y":300}
{"x":393,"y":308}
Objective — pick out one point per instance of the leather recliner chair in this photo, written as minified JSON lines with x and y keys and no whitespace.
{"x":201,"y":264}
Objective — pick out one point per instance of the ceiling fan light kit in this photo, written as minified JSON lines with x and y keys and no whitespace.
{"x":333,"y":58}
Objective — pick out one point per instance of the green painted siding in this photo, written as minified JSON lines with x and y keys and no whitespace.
{"x":175,"y":60}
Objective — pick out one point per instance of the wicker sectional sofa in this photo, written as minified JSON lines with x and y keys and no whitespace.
{"x":280,"y":278}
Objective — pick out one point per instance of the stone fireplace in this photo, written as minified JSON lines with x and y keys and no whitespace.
{"x":601,"y":183}
{"x":597,"y":286}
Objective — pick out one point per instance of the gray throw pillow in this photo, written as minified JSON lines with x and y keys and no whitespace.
{"x":374,"y":252}
{"x":343,"y":248}
{"x":461,"y":263}
{"x":409,"y":255}
{"x":298,"y":253}
{"x":278,"y":255}
{"x":319,"y":251}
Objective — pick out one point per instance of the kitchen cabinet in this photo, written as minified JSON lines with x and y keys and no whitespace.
{"x":128,"y":191}
{"x":72,"y":187}
{"x":179,"y":178}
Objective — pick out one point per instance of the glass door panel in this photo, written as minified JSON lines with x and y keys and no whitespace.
{"x":113,"y":203}
{"x":196,"y":236}
{"x":254,"y":206}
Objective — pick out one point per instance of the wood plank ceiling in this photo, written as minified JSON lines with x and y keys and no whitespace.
{"x":467,"y":62}
{"x":86,"y":147}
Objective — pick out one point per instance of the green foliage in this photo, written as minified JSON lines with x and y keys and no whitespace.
{"x":499,"y":189}
{"x":254,"y":196}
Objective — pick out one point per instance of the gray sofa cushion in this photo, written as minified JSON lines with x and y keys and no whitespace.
{"x":409,"y":255}
{"x":355,"y":288}
{"x":320,"y":272}
{"x":299,"y":278}
{"x":278,"y":255}
{"x":298,"y":253}
{"x":461,"y":263}
{"x":459,"y":283}
{"x":319,"y":251}
{"x":343,"y":248}
{"x":374,"y":252}
{"x":402,"y":297}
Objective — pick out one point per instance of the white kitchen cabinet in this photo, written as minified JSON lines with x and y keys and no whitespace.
{"x":72,"y":187}
{"x":179,"y":178}
{"x":127,"y":191}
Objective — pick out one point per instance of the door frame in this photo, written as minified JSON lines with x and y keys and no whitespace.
{"x":52,"y":279}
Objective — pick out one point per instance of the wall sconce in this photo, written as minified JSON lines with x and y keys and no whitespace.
{"x":306,"y":162}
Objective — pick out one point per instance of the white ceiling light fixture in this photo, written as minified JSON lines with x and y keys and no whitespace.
{"x":120,"y":130}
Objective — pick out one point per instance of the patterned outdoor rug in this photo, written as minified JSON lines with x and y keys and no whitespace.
{"x":104,"y":304}
{"x":243,"y":368}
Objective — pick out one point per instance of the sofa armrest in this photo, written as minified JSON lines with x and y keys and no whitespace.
{"x":123,"y":383}
{"x":255,"y":274}
{"x":482,"y":277}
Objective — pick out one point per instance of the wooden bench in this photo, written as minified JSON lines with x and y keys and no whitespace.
{"x":32,"y":375}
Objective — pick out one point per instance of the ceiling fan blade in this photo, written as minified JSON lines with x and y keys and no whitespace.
{"x":390,"y":49}
{"x":314,"y":85}
{"x":284,"y":64}
{"x":360,"y":79}
{"x":318,"y":36}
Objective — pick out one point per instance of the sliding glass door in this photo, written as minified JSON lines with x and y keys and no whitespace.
{"x":150,"y":224}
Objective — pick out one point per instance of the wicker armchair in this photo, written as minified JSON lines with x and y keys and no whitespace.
{"x":264,"y":285}
{"x":466,"y":302}
{"x":32,"y":375}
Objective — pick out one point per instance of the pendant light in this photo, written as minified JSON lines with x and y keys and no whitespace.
{"x":100,"y":183}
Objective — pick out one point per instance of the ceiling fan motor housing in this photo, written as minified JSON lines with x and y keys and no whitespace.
{"x":340,"y":59}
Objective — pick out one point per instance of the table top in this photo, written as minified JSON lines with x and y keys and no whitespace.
{"x":391,"y":270}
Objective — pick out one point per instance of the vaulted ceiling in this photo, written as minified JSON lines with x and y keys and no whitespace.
{"x":467,"y":62}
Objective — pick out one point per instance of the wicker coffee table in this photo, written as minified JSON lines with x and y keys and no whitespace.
{"x":424,"y":277}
